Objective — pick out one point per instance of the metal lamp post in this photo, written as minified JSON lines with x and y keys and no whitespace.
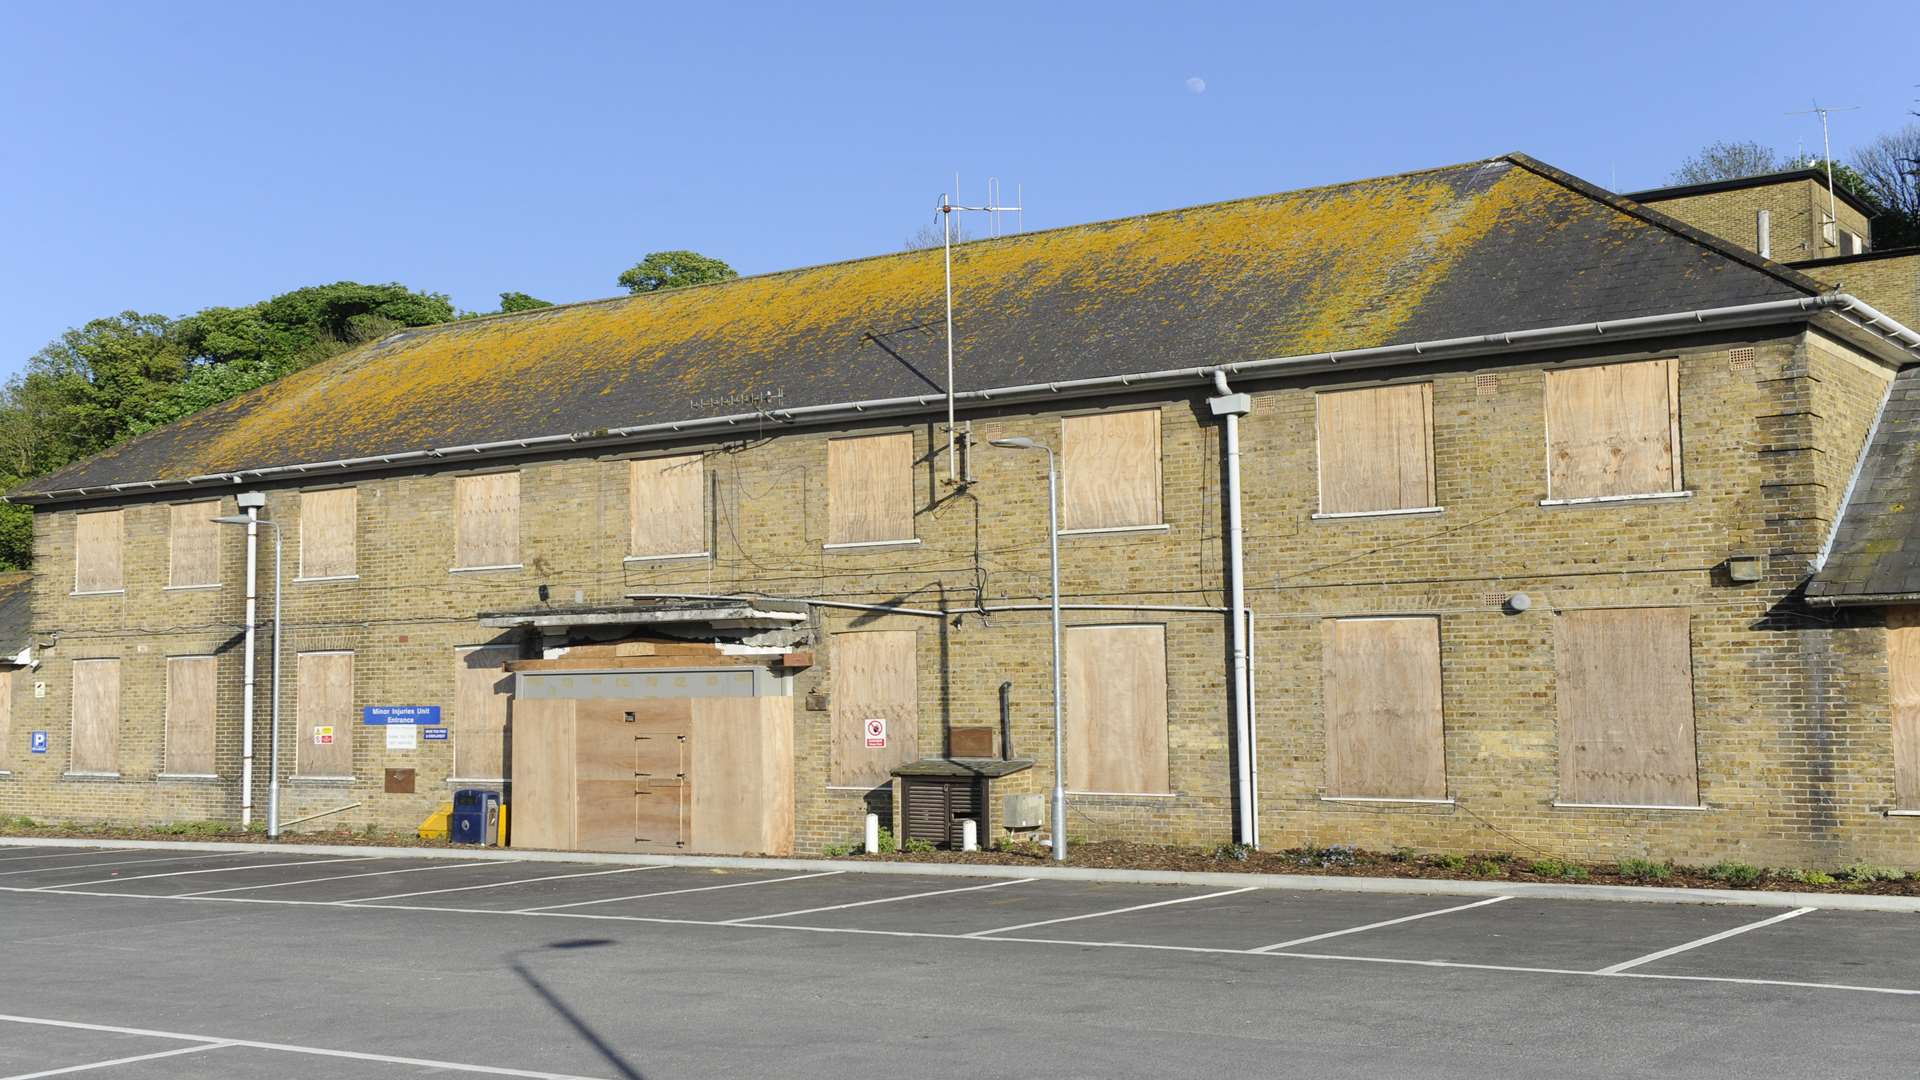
{"x":1021,"y":442}
{"x":273,"y":738}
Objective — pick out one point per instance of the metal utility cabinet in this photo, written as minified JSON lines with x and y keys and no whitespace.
{"x":937,"y":794}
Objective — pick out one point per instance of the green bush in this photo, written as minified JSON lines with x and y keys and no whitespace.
{"x":22,"y":822}
{"x":1232,"y":852}
{"x":1486,"y":868}
{"x":1645,"y":870}
{"x":1806,"y":877}
{"x":1735,"y":873}
{"x":917,"y":847}
{"x":1861,"y":873}
{"x":888,"y":844}
{"x":1450,"y":861}
{"x":1559,"y":868}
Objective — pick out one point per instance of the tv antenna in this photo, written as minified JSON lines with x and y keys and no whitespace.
{"x":946,"y":209}
{"x":1828,"y":230}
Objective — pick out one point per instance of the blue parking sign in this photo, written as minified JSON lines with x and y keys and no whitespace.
{"x":39,"y":742}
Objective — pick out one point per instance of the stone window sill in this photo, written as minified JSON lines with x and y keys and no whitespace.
{"x":192,"y":588}
{"x":1385,"y":799}
{"x":668,"y":558}
{"x":485,"y":569}
{"x":1118,"y":530}
{"x":321,"y":781}
{"x":870,"y":544}
{"x":98,"y":592}
{"x":1342,"y":515}
{"x":1608,"y":500}
{"x":325,"y":579}
{"x":1624,"y":806}
{"x":190,"y":778}
{"x":90,"y":776}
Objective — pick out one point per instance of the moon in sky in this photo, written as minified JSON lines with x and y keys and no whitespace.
{"x":1196,"y":85}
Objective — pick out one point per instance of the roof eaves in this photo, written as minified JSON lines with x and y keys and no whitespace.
{"x":1711,"y":187}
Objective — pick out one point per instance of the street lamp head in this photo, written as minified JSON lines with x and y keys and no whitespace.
{"x":1016,"y":442}
{"x":232,"y":519}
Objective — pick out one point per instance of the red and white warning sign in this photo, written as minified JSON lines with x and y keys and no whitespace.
{"x":876,"y":733}
{"x":323,"y":735}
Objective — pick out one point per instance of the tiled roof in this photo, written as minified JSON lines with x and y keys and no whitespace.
{"x":1876,"y":547}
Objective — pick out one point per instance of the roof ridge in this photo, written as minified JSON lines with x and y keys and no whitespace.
{"x":1778,"y":271}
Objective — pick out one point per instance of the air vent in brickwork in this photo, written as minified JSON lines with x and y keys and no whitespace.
{"x":1740,"y":359}
{"x":1486,"y":385}
{"x":1494,"y":599}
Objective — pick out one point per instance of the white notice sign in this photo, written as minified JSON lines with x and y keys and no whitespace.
{"x":876,"y":733}
{"x":402,"y":736}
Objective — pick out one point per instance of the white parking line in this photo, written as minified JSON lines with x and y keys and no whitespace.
{"x":339,"y":877}
{"x":1377,"y":925}
{"x":217,"y":1041}
{"x":186,"y":873}
{"x":115,"y":862}
{"x":200,"y":1049}
{"x":677,"y":892}
{"x":497,"y":884}
{"x":1708,"y":940}
{"x":1103,"y":914}
{"x":882,"y":900}
{"x":67,"y":854}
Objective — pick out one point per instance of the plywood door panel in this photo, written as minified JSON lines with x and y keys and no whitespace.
{"x":487,"y":520}
{"x":870,"y":489}
{"x":607,"y":815}
{"x":742,"y":765}
{"x":660,"y":817}
{"x":1110,"y":470}
{"x":1903,"y":678}
{"x":666,"y":499}
{"x":543,"y":775}
{"x":191,"y":689}
{"x":1116,"y":723}
{"x":1626,"y":707}
{"x":325,"y":692}
{"x":1381,"y":682}
{"x":329,"y":525}
{"x":96,"y":716}
{"x":875,"y":676}
{"x":193,"y":544}
{"x":1376,"y":448}
{"x":660,"y":757}
{"x":481,"y":690}
{"x":98,"y":539}
{"x":1613,"y":429}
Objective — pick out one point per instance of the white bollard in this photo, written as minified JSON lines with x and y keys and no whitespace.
{"x":873,"y":834}
{"x":969,"y":835}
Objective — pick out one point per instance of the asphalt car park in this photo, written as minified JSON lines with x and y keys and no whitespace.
{"x":171,"y":964}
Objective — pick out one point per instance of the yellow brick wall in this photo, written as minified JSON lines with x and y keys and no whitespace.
{"x":1798,"y":207}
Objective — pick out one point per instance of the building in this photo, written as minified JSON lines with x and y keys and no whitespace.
{"x":1526,"y":483}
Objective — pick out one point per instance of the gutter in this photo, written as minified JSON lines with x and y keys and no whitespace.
{"x":1840,"y":305}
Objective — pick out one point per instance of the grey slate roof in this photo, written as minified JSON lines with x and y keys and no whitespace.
{"x":16,"y":613}
{"x":1875,"y":554}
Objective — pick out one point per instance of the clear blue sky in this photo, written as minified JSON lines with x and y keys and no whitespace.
{"x":169,"y":157}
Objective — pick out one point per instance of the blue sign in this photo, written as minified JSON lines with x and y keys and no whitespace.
{"x":39,"y":743}
{"x":434,"y":734}
{"x":400,"y":714}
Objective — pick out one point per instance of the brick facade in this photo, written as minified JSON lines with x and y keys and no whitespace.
{"x":1797,"y":207}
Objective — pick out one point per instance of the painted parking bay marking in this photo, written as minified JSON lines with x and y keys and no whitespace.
{"x":882,"y":900}
{"x":1377,"y":925}
{"x":1696,"y":943}
{"x":1103,"y":914}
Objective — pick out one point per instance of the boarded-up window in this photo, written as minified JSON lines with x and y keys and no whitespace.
{"x":870,"y":489}
{"x":1903,"y":677}
{"x":1376,"y":449}
{"x":1110,"y":470}
{"x":6,"y":719}
{"x":96,"y":716}
{"x":97,"y":541}
{"x":1626,"y":708}
{"x":1613,"y":430}
{"x":665,"y":502}
{"x":328,"y":542}
{"x":191,"y":682}
{"x":487,"y":520}
{"x":876,"y":705}
{"x":480,"y":696}
{"x":325,"y":733}
{"x":193,"y":545}
{"x":1381,"y":678}
{"x":1116,"y":690}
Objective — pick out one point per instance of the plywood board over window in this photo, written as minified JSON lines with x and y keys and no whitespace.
{"x":870,"y":489}
{"x":1376,"y":449}
{"x":96,"y":716}
{"x":1613,"y":430}
{"x":874,"y":678}
{"x":329,"y":546}
{"x":6,"y":720}
{"x":481,"y":693}
{"x":191,"y":689}
{"x":1626,"y":708}
{"x":97,"y":542}
{"x":1903,"y":677}
{"x":324,"y":739}
{"x":1110,"y":470}
{"x":1381,"y":681}
{"x":193,"y":545}
{"x":1116,"y":722}
{"x":666,"y":500}
{"x":487,"y":520}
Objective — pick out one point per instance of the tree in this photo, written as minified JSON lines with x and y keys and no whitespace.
{"x":674,"y":270}
{"x":1889,"y":167}
{"x":933,"y":235}
{"x":1727,"y":161}
{"x":519,"y":301}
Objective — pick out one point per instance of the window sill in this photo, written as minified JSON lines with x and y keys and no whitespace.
{"x":90,"y":776}
{"x":1128,"y":794}
{"x":1384,"y":799}
{"x":1623,"y":806}
{"x":190,"y":778}
{"x":1118,"y":529}
{"x":98,"y":592}
{"x":1889,"y":813}
{"x":668,"y":558}
{"x":1340,"y":515}
{"x":870,"y":544}
{"x":455,"y":781}
{"x":327,"y":578}
{"x":192,"y":588}
{"x":860,"y":787}
{"x":321,"y":781}
{"x":1602,"y":500}
{"x":485,"y":569}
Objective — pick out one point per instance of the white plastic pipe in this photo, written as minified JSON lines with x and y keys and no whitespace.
{"x":969,"y":835}
{"x":247,"y":678}
{"x":1230,"y":411}
{"x":873,"y":834}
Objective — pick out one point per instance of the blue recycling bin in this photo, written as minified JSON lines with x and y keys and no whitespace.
{"x":476,"y":817}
